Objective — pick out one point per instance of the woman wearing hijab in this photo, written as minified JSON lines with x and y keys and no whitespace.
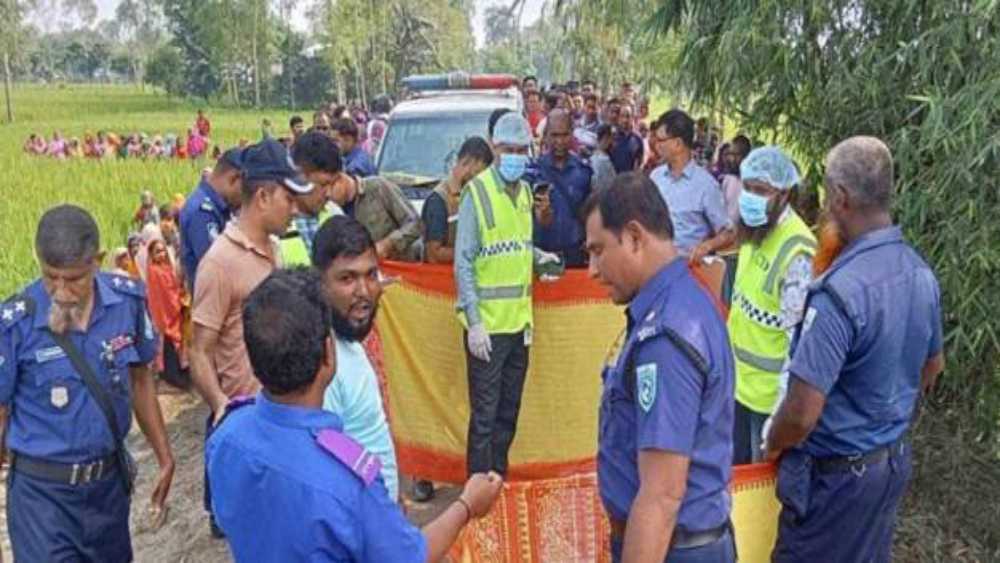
{"x":165,"y":296}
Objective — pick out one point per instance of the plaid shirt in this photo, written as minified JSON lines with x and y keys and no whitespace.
{"x":307,"y":228}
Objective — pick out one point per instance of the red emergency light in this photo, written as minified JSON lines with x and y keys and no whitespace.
{"x":460,"y":81}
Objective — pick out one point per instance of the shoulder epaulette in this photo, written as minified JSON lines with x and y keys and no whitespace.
{"x":14,"y":309}
{"x":126,"y":285}
{"x":207,"y":205}
{"x":364,"y":464}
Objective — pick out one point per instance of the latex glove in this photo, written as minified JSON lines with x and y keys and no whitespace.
{"x":479,"y":342}
{"x":547,"y":258}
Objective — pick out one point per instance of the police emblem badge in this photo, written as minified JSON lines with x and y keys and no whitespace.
{"x":646,"y":386}
{"x":59,"y":396}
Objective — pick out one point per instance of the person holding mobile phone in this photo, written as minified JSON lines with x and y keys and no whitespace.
{"x":562,"y":185}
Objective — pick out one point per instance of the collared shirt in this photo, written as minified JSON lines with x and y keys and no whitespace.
{"x":53,"y":416}
{"x":655,"y":399}
{"x":872,"y":322}
{"x":384,"y":210}
{"x":604,"y":170}
{"x":231,"y":269}
{"x":354,"y":396}
{"x":570,"y":189}
{"x":697,"y":209}
{"x":358,"y":163}
{"x":203,"y":218}
{"x":626,"y":152}
{"x":307,"y":226}
{"x":279,"y":496}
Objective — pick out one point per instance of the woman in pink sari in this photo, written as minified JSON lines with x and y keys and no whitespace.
{"x":195,"y":144}
{"x":165,"y":294}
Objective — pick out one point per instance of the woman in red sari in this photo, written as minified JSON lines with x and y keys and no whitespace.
{"x":165,"y":295}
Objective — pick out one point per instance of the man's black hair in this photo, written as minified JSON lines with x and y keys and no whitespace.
{"x":476,"y":148}
{"x":527,"y":78}
{"x":341,"y":235}
{"x":67,"y":236}
{"x":604,"y":130}
{"x":588,"y":82}
{"x":494,"y":117}
{"x":295,"y":120}
{"x":346,"y":126}
{"x":286,"y":323}
{"x":552,"y":100}
{"x":631,"y":197}
{"x":315,"y":151}
{"x":742,"y":144}
{"x":678,"y":124}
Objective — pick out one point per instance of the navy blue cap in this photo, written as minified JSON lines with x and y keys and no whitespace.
{"x":269,"y":160}
{"x":233,"y":157}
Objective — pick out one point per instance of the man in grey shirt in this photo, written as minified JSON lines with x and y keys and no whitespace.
{"x":697,"y":208}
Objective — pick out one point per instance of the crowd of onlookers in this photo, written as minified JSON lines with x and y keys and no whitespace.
{"x":193,"y":144}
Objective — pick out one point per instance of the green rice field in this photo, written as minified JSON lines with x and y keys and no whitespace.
{"x":109,"y":188}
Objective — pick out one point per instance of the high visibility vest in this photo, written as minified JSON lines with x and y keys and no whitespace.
{"x":759,"y":342}
{"x":503,"y":267}
{"x":293,"y":248}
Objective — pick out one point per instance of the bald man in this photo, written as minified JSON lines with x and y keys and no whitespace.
{"x":868,"y":347}
{"x":558,"y":227}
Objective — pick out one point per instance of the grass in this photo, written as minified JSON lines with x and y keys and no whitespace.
{"x":108,"y":189}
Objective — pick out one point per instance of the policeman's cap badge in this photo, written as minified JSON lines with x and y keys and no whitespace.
{"x":646,"y":385}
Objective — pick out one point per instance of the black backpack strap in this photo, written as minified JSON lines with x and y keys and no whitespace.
{"x":103,"y":400}
{"x":690,"y":352}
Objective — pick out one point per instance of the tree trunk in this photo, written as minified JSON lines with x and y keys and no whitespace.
{"x":256,"y":61}
{"x":6,"y":87}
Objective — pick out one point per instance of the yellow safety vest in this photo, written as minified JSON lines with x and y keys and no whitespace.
{"x":503,"y":266}
{"x":293,"y":248}
{"x":759,"y":342}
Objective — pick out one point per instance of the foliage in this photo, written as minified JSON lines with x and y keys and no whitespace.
{"x":166,"y":70}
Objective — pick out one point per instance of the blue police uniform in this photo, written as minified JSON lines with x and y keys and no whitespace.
{"x":871,"y":323}
{"x":56,"y":423}
{"x":358,"y":163}
{"x":288,"y":485}
{"x":671,"y":388}
{"x":202,"y":219}
{"x":570,"y":189}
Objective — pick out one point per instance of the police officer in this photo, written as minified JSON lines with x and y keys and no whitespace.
{"x":869,"y":342}
{"x":665,"y":434}
{"x":208,"y":209}
{"x":68,"y":495}
{"x":287,"y":484}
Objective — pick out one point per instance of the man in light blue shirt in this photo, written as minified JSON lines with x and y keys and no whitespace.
{"x":344,"y":254}
{"x":697,"y":208}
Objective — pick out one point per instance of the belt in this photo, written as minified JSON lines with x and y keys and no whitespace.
{"x":681,"y":539}
{"x":71,"y":473}
{"x":857,"y":463}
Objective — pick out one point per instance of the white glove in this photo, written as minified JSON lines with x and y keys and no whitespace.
{"x":479,"y":342}
{"x":547,"y":258}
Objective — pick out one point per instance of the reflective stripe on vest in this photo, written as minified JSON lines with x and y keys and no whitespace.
{"x":503,"y":265}
{"x":760,"y":343}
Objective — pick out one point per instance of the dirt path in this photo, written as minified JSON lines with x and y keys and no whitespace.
{"x":185,"y":536}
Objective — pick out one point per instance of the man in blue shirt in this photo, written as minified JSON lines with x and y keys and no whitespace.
{"x":697,"y":208}
{"x":68,"y":495}
{"x":627,"y":150}
{"x":869,"y":345}
{"x":559,"y":229}
{"x":357,"y":162}
{"x":666,"y":420}
{"x":208,"y":209}
{"x":287,"y":483}
{"x":346,"y":259}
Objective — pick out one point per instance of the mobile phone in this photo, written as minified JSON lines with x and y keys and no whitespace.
{"x":542,"y":188}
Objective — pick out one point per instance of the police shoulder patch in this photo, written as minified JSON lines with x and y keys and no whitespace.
{"x":364,"y":464}
{"x":207,"y":206}
{"x":645,"y":376}
{"x":15,"y":309}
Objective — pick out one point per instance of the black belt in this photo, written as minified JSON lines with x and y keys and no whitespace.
{"x":71,"y":473}
{"x":681,"y":539}
{"x":858,"y":463}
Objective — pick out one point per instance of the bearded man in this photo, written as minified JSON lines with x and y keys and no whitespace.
{"x":772,"y":277}
{"x":344,"y":253}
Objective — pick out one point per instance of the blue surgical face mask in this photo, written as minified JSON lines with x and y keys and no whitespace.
{"x":512,"y":166}
{"x":753,"y":209}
